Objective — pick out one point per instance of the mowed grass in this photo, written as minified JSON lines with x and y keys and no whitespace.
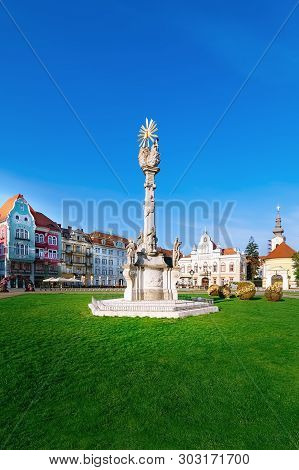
{"x":73,"y":381}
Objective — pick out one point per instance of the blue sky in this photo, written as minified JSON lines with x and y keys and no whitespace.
{"x":180,"y":63}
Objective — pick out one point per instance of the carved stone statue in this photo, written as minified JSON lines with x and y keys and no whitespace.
{"x":131,"y":252}
{"x":149,"y":157}
{"x":152,"y":241}
{"x":142,"y":157}
{"x":153,"y":158}
{"x":176,"y":252}
{"x":139,"y":240}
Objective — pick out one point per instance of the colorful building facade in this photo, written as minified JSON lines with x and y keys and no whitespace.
{"x":30,"y":243}
{"x":17,"y":241}
{"x":47,"y":248}
{"x":278,"y":265}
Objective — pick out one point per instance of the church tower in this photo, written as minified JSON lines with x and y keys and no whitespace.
{"x":277,"y":231}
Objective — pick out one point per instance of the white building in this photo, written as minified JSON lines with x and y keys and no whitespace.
{"x":208,"y":264}
{"x":278,"y":264}
{"x":109,"y":256}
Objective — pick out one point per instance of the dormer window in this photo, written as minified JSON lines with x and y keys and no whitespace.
{"x":17,"y":217}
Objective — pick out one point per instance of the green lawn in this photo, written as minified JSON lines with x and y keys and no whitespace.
{"x":222,"y":381}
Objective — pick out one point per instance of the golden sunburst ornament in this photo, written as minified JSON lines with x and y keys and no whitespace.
{"x":147,"y":133}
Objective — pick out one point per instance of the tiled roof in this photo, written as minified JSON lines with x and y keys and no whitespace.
{"x":41,"y":220}
{"x":229,"y":251}
{"x":8,"y":205}
{"x":97,"y":237}
{"x":281,"y":251}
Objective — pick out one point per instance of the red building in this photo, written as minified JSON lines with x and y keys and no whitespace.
{"x":47,"y":248}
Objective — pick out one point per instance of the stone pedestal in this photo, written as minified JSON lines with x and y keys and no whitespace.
{"x":152,"y":308}
{"x":150,"y":278}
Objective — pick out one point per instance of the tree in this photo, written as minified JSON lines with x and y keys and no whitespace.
{"x":253,"y":259}
{"x":296,"y":266}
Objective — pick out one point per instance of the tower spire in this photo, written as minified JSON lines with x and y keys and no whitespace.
{"x":278,"y":230}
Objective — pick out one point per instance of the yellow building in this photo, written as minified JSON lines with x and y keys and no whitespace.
{"x":278,"y":264}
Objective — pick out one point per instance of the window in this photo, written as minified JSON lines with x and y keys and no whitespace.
{"x":104,"y":261}
{"x":23,"y":234}
{"x":215,"y":268}
{"x":39,"y":252}
{"x":231,"y":267}
{"x":17,"y":217}
{"x":182,"y":269}
{"x":223,"y":267}
{"x":26,"y":219}
{"x":205,"y":267}
{"x":110,"y":252}
{"x":104,"y":272}
{"x":52,"y":254}
{"x":110,"y":272}
{"x":22,"y":251}
{"x":103,"y":242}
{"x":52,"y":240}
{"x":104,"y":251}
{"x":111,"y":262}
{"x":39,"y":238}
{"x":196,"y":268}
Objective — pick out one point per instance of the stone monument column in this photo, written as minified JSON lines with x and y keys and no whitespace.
{"x":149,"y":277}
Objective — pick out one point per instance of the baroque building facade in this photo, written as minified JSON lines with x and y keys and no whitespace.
{"x":277,"y":266}
{"x":29,"y":243}
{"x":109,"y":257}
{"x":47,"y":248}
{"x":208,"y":264}
{"x":76,"y":257}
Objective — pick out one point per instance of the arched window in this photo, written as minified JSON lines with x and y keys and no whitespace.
{"x":182,"y":269}
{"x":214,"y":267}
{"x":205,"y":267}
{"x":223,"y":267}
{"x":231,"y":267}
{"x":18,"y":233}
{"x":196,"y":268}
{"x":54,"y":240}
{"x":26,"y":249}
{"x":37,"y":237}
{"x":41,"y":238}
{"x":50,"y":240}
